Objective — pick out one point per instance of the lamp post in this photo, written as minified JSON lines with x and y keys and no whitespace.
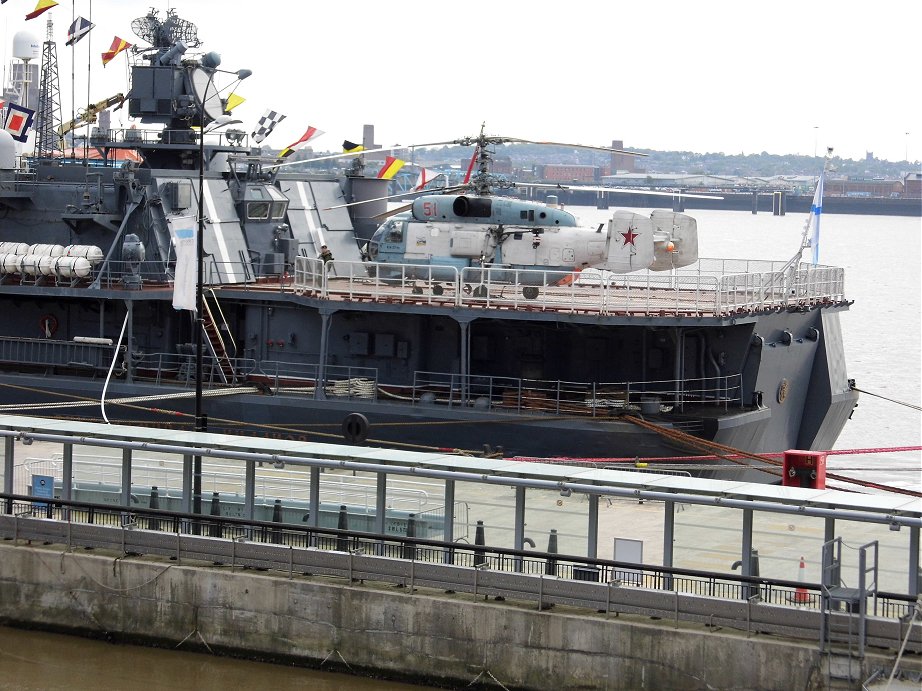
{"x":201,"y":420}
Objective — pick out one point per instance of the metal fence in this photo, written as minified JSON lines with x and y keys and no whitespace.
{"x":718,"y":287}
{"x":752,"y":604}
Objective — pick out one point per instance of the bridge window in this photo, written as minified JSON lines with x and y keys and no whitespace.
{"x":279,"y":209}
{"x":258,"y":210}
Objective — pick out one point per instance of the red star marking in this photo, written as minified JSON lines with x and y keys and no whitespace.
{"x":629,"y":237}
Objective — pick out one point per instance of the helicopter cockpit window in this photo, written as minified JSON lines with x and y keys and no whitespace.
{"x":394,"y":233}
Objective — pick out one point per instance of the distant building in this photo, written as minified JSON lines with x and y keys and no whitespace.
{"x":566,"y":172}
{"x":622,"y":163}
{"x":857,"y":187}
{"x":912,"y":186}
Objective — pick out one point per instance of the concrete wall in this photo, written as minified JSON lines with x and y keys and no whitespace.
{"x":427,"y":635}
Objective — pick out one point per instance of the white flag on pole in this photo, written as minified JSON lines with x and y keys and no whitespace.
{"x":185,"y":278}
{"x":816,"y":211}
{"x":425,"y":177}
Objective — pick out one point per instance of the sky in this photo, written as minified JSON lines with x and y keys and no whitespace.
{"x":730,"y":77}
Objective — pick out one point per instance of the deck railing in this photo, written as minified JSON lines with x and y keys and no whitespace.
{"x":570,"y":398}
{"x":712,"y":287}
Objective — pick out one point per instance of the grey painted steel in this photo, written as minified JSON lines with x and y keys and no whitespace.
{"x":67,"y":471}
{"x":806,"y":502}
{"x":746,"y":551}
{"x":449,"y":520}
{"x":8,"y":458}
{"x":126,"y":477}
{"x":186,"y":483}
{"x":915,"y":584}
{"x":380,"y":503}
{"x":668,"y":536}
{"x":314,"y":497}
{"x":592,"y":546}
{"x":519,"y":528}
{"x":249,"y":489}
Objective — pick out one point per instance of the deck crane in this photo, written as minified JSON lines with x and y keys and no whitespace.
{"x":88,"y":115}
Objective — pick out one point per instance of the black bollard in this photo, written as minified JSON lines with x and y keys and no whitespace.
{"x":480,"y":556}
{"x":409,"y":551}
{"x":550,"y":568}
{"x":277,"y":518}
{"x":153,"y":523}
{"x":342,"y":542}
{"x":216,"y":528}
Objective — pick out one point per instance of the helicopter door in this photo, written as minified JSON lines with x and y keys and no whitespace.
{"x":417,"y":235}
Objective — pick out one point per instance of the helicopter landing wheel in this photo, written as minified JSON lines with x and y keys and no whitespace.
{"x":437,"y":289}
{"x":480,"y":292}
{"x":530,"y":292}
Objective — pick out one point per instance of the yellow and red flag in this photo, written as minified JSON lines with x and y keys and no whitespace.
{"x":41,"y":6}
{"x":390,"y":168}
{"x":118,"y":45}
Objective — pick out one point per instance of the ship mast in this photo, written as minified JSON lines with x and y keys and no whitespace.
{"x":48,"y":114}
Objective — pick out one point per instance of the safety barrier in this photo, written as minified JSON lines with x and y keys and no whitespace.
{"x":752,"y":604}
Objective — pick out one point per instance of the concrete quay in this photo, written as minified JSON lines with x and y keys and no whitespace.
{"x":425,"y":635}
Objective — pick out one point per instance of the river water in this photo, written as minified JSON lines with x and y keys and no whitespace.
{"x":883,"y":341}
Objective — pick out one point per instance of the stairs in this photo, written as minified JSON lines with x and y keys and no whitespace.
{"x":217,"y":333}
{"x":844,"y":610}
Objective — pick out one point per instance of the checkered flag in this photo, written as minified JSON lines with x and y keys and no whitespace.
{"x":266,"y":124}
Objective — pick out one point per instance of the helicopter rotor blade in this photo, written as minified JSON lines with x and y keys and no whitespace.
{"x":435,"y":190}
{"x":392,"y":212}
{"x":629,"y":190}
{"x":513,"y":140}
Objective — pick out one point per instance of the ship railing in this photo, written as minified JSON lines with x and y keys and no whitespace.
{"x":340,"y":381}
{"x":806,"y":286}
{"x":710,"y":287}
{"x":180,"y":367}
{"x":45,"y":352}
{"x":403,"y":283}
{"x":560,"y":397}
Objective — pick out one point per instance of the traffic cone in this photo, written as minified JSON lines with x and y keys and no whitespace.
{"x":801,"y":596}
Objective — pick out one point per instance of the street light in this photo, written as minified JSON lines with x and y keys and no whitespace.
{"x":201,"y":420}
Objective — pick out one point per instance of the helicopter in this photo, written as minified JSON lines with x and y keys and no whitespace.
{"x":467,"y":225}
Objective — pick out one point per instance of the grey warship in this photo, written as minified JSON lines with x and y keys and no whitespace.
{"x":743,"y":353}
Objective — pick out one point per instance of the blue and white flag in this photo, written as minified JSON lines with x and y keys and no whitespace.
{"x":816,"y":210}
{"x":186,"y":276}
{"x":80,"y":28}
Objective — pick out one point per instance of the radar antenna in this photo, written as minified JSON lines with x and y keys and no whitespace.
{"x":163,"y":34}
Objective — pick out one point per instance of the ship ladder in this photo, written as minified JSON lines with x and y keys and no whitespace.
{"x":217,"y":332}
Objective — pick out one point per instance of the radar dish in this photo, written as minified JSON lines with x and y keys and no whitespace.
{"x":206,"y":93}
{"x":163,"y":34}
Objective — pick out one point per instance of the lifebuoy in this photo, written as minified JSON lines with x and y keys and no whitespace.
{"x":48,"y":325}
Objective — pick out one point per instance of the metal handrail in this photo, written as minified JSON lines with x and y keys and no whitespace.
{"x":34,"y":518}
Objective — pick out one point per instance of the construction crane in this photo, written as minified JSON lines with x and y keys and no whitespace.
{"x":88,"y":115}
